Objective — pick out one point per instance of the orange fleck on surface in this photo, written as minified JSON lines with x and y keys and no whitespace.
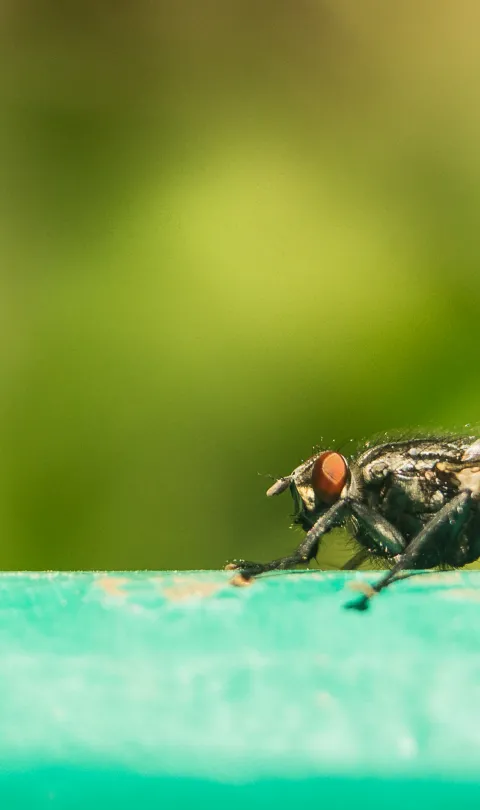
{"x":189,"y":590}
{"x":112,"y":586}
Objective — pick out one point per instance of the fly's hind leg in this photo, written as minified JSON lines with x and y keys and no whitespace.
{"x":451,"y":519}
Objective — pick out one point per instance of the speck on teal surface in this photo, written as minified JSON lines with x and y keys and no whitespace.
{"x":178,"y":688}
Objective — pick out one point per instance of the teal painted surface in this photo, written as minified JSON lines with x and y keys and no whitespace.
{"x":175,"y":687}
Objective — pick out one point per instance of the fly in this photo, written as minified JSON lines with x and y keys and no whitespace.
{"x":413,"y":503}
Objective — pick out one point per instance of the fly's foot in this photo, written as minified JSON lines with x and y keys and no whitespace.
{"x":360,"y":604}
{"x":367,"y":591}
{"x":246,"y":570}
{"x":237,"y":565}
{"x":240,"y":581}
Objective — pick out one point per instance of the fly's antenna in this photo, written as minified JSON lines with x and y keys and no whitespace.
{"x":279,"y":486}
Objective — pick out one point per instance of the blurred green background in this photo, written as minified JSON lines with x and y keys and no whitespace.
{"x":230,"y":231}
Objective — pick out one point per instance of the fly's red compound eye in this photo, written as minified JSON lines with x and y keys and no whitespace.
{"x":329,"y":476}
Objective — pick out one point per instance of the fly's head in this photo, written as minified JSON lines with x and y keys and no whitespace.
{"x":315,"y":486}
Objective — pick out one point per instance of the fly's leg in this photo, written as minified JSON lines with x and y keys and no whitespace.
{"x":455,"y":513}
{"x":303,"y":554}
{"x":386,"y":538}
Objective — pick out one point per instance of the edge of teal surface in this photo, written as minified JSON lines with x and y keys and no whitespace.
{"x":175,"y":686}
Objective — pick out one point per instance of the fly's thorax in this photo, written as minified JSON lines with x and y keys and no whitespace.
{"x":406,"y":484}
{"x":419,"y":493}
{"x":398,"y":464}
{"x":415,"y":455}
{"x":421,"y":477}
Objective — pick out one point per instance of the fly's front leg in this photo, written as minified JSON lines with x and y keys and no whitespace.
{"x":303,"y":554}
{"x":452,"y":516}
